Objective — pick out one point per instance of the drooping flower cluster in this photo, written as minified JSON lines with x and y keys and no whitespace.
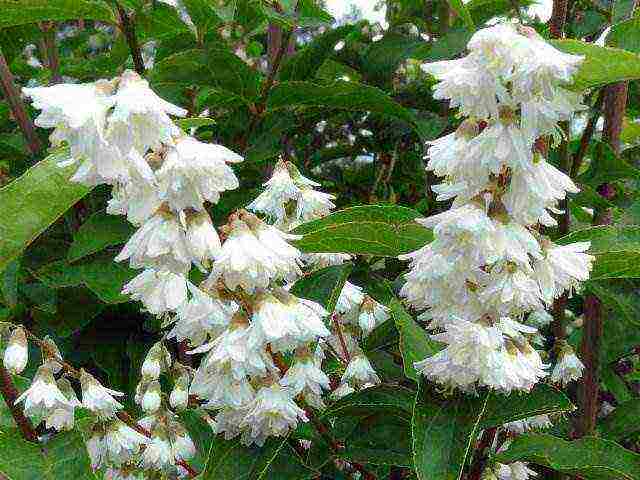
{"x":489,"y":268}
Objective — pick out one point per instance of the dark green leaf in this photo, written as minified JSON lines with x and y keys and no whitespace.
{"x":33,"y":202}
{"x":368,"y":229}
{"x":623,"y":422}
{"x":394,"y":400}
{"x":98,"y":232}
{"x":606,"y":166}
{"x":76,"y":308}
{"x":323,"y":286}
{"x":591,"y":458}
{"x":21,"y":12}
{"x":9,"y":283}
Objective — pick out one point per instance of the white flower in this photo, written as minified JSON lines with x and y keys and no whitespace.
{"x":159,"y":243}
{"x":371,"y":315}
{"x":280,"y":189}
{"x":179,"y":397}
{"x":532,"y":423}
{"x":322,"y":260}
{"x":313,"y":204}
{"x":202,"y":238}
{"x":306,"y":377}
{"x":286,"y":321}
{"x":563,"y":268}
{"x":157,"y":455}
{"x":97,"y":398}
{"x":140,"y":118}
{"x":78,"y":113}
{"x":96,"y":450}
{"x":16,"y":355}
{"x":272,"y":413}
{"x":158,"y":359}
{"x":121,"y":443}
{"x":568,"y":368}
{"x":194,"y":172}
{"x":159,"y":291}
{"x":221,"y":389}
{"x":360,"y":372}
{"x":43,"y":396}
{"x":514,"y":471}
{"x":254,"y":254}
{"x":151,"y":400}
{"x":202,"y":316}
{"x":182,"y":446}
{"x":62,"y":416}
{"x":539,"y":318}
{"x":351,"y":297}
{"x":342,"y":391}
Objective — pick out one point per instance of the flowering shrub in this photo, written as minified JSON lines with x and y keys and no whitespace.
{"x":264,"y":245}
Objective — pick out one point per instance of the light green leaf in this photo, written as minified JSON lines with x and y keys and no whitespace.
{"x":602,"y":65}
{"x":63,"y":457}
{"x":195,"y":122}
{"x":343,"y":95}
{"x":9,"y":283}
{"x":98,"y":232}
{"x":625,"y":35}
{"x":591,"y":458}
{"x":367,"y":229}
{"x":21,"y":12}
{"x":323,"y":286}
{"x":616,"y":248}
{"x":461,"y":10}
{"x":33,"y":202}
{"x":415,"y":344}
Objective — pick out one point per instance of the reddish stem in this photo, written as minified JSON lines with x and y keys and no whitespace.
{"x":10,"y":394}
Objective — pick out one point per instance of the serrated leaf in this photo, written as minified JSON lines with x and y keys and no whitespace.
{"x":21,"y":12}
{"x":230,"y":460}
{"x":616,"y":248}
{"x":98,"y":232}
{"x":395,"y":400}
{"x":623,"y":422}
{"x":602,"y":65}
{"x":63,"y":457}
{"x":344,"y":95}
{"x":323,"y":286}
{"x":591,"y":458}
{"x":415,"y":344}
{"x":102,"y":276}
{"x":33,"y":202}
{"x":306,"y":62}
{"x":367,"y":229}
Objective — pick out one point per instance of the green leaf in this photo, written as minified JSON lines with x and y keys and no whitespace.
{"x":102,"y":276}
{"x":230,"y":460}
{"x":367,"y":229}
{"x":591,"y":458}
{"x":415,"y":344}
{"x":461,"y":10}
{"x":306,"y":62}
{"x":394,"y":400}
{"x":202,"y":13}
{"x":98,"y":232}
{"x":195,"y":122}
{"x":75,"y":309}
{"x":323,"y":286}
{"x":216,"y":67}
{"x":443,"y":433}
{"x":344,"y":95}
{"x":616,"y":248}
{"x":33,"y":202}
{"x":602,"y":65}
{"x":623,"y":422}
{"x":606,"y":166}
{"x":625,"y":35}
{"x":9,"y":283}
{"x":21,"y":12}
{"x":382,"y":58}
{"x":63,"y":457}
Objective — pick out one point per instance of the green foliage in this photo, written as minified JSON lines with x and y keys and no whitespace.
{"x":97,"y":233}
{"x":367,"y":229}
{"x":21,"y":12}
{"x":323,"y":286}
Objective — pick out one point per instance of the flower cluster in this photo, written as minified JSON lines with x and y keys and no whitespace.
{"x":489,"y":268}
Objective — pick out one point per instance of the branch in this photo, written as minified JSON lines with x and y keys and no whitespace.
{"x":51,"y":50}
{"x":128,"y":27}
{"x":10,"y":394}
{"x":558,"y":18}
{"x":480,"y":457}
{"x":12,"y":95}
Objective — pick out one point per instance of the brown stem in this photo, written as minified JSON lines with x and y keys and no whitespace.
{"x":51,"y":51}
{"x":340,"y":334}
{"x":558,"y":18}
{"x":128,"y":27}
{"x":557,"y":326}
{"x":10,"y":394}
{"x":12,"y":95}
{"x":480,"y":457}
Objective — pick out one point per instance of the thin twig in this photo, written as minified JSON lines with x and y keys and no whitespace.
{"x":10,"y":394}
{"x":128,"y":27}
{"x":558,"y":18}
{"x":51,"y":50}
{"x":480,"y":457}
{"x":12,"y":95}
{"x":585,"y":140}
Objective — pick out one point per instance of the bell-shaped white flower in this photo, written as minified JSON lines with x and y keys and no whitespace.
{"x":182,"y":446}
{"x":122,"y":442}
{"x":313,"y":204}
{"x":568,"y":368}
{"x":179,"y":397}
{"x":514,"y":471}
{"x":140,"y":118}
{"x":202,"y":239}
{"x":306,"y":377}
{"x":152,"y":397}
{"x":160,"y":243}
{"x":563,"y":268}
{"x":16,"y":355}
{"x":194,"y":172}
{"x":43,"y":396}
{"x":350,"y":298}
{"x":371,"y":315}
{"x":360,"y":372}
{"x":158,"y":454}
{"x":272,"y":413}
{"x":159,"y":290}
{"x":280,"y":190}
{"x":62,"y":416}
{"x":97,"y":398}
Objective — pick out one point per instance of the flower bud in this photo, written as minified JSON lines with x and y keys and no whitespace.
{"x":16,"y":355}
{"x":151,"y":399}
{"x":179,"y":398}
